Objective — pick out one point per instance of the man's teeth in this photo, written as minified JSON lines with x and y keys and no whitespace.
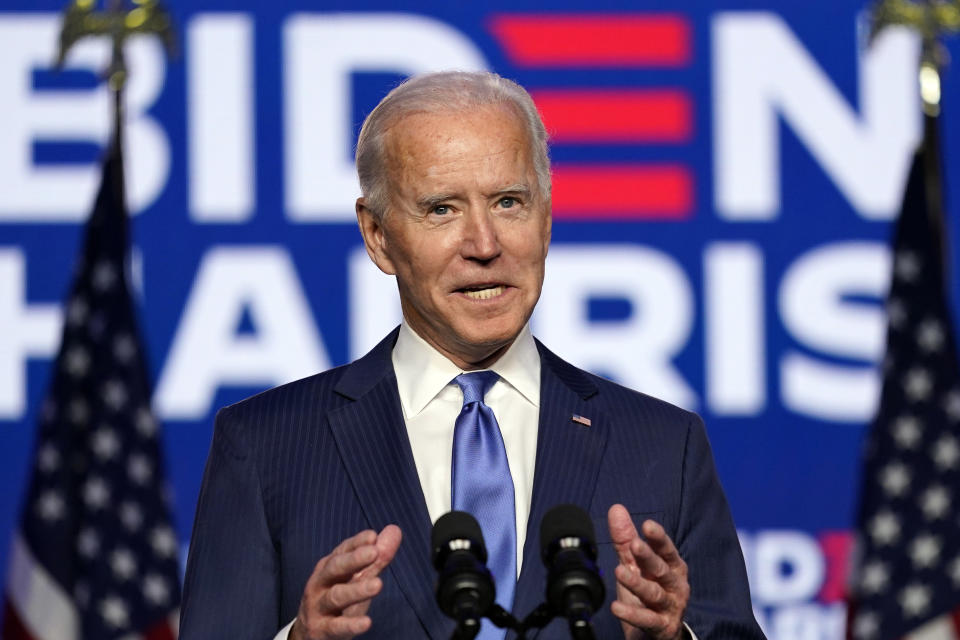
{"x":484,"y":294}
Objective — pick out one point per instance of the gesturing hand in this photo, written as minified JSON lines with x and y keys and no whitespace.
{"x":652,"y":587}
{"x":338,"y":593}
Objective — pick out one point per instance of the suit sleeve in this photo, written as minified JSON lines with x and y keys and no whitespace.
{"x":231,"y":587}
{"x":720,"y":605}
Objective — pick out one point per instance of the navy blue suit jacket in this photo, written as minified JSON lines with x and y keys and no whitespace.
{"x":295,"y":470}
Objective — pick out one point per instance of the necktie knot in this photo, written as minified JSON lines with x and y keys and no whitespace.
{"x":475,"y":385}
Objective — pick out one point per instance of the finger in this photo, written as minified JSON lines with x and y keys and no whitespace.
{"x":661,"y":543}
{"x":365,"y":537}
{"x":343,"y":566}
{"x":342,"y":598}
{"x":652,"y":623}
{"x":649,"y":593}
{"x":388,"y":542}
{"x":650,"y":564}
{"x":656,"y":568}
{"x":622,"y":532}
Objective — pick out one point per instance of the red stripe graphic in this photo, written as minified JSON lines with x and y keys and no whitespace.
{"x":595,"y":40}
{"x":837,"y":547}
{"x":661,"y":115}
{"x":622,"y":191}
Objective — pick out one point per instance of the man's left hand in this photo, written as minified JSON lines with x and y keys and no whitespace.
{"x":652,"y":586}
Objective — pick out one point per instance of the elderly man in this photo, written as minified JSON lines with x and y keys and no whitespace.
{"x":310,"y":487}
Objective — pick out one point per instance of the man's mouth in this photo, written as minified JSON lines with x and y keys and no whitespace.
{"x":483,"y":292}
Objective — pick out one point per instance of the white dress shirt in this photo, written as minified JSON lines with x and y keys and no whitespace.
{"x":431,"y":402}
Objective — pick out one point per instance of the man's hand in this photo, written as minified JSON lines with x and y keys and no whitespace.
{"x":338,"y":593}
{"x":652,"y":587}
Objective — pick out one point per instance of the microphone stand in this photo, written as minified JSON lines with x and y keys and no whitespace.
{"x":580,"y":628}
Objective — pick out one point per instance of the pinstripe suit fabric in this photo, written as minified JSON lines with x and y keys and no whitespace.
{"x":295,"y":470}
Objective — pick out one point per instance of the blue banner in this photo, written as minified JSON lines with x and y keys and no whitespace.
{"x":725,"y":175}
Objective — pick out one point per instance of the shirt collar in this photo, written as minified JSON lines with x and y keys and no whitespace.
{"x":422,"y":371}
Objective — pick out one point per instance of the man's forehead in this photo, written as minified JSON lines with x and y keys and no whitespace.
{"x":416,"y":126}
{"x":432,"y":144}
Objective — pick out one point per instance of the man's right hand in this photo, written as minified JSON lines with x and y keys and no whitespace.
{"x":338,"y":594}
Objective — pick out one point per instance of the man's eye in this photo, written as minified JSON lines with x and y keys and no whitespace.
{"x":441,"y":209}
{"x":508,"y":202}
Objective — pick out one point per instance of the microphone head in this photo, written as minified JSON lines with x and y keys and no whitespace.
{"x":567,"y":525}
{"x":465,"y":588}
{"x":456,"y":531}
{"x":569,"y":551}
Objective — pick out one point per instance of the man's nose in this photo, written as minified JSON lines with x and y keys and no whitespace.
{"x":480,"y":241}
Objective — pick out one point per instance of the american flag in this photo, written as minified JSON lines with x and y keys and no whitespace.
{"x":907,"y":580}
{"x":95,"y":556}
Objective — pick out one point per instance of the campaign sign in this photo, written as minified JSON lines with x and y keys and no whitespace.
{"x":725,"y":173}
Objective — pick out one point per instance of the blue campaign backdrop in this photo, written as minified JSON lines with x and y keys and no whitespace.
{"x":725,"y":177}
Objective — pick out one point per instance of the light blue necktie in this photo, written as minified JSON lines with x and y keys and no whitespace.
{"x":482,"y":486}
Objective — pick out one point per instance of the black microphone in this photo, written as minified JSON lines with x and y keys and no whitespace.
{"x":465,"y":588}
{"x":569,"y":550}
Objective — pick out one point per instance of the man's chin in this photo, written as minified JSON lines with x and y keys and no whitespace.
{"x":482,"y":348}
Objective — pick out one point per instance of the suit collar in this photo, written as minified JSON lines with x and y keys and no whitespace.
{"x":422,"y":371}
{"x":362,"y":375}
{"x":565,"y":373}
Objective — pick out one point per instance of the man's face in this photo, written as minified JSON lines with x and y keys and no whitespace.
{"x":466,"y":229}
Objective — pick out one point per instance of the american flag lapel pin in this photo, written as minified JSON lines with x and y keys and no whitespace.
{"x":581,"y":420}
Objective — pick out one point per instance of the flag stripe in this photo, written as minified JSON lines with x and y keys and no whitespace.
{"x":616,"y":116}
{"x":13,"y":628}
{"x":642,"y":192}
{"x":41,"y":605}
{"x":940,"y":628}
{"x":163,"y":630}
{"x":599,"y":40}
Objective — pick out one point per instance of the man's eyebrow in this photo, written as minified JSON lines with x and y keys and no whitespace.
{"x":514,"y":188}
{"x":430,"y":200}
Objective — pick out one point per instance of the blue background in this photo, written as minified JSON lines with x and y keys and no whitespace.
{"x":781,"y":470}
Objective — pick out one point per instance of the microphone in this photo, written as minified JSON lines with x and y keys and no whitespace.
{"x":569,"y":551}
{"x":465,"y":588}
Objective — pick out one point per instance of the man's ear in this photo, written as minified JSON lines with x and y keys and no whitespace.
{"x":547,"y":228}
{"x":549,"y":234}
{"x":374,"y":237}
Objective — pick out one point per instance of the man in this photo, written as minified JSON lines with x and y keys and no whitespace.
{"x":456,"y":203}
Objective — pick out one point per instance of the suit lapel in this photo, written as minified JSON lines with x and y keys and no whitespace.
{"x":376,"y":453}
{"x":567,"y":464}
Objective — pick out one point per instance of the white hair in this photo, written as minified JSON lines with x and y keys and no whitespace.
{"x":438,"y":92}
